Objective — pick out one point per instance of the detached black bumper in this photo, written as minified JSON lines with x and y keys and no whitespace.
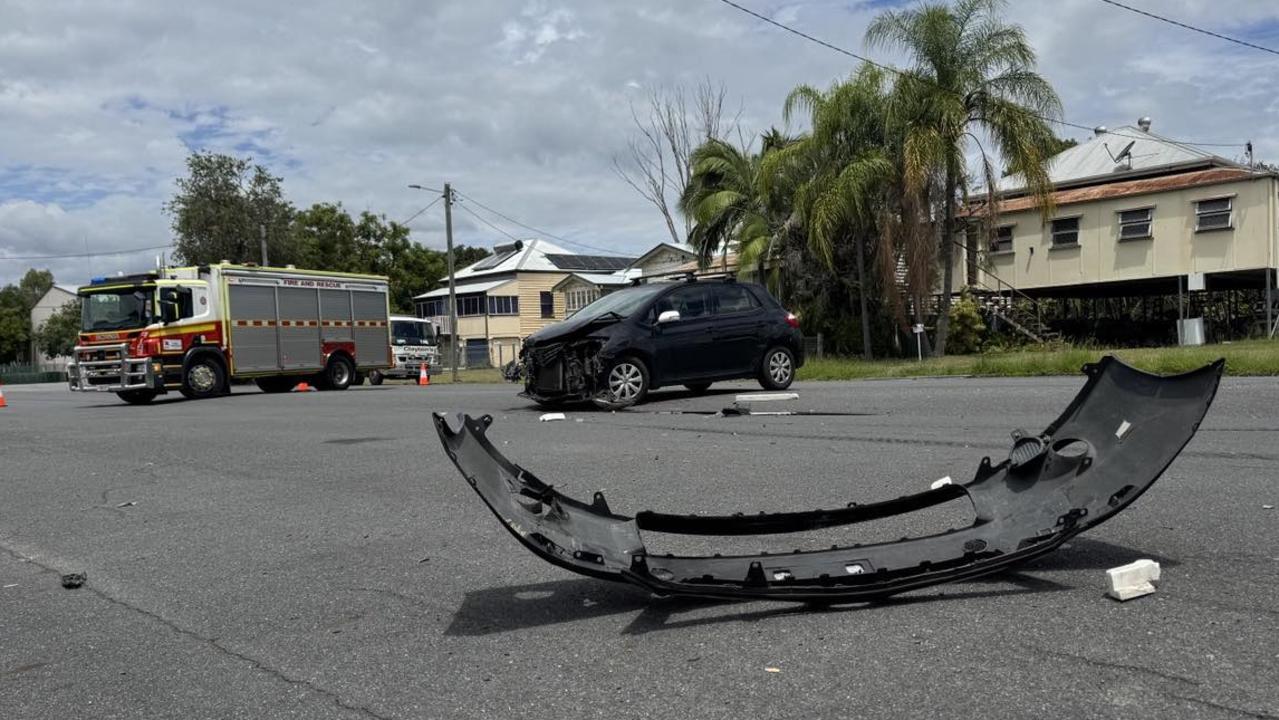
{"x":1108,"y":447}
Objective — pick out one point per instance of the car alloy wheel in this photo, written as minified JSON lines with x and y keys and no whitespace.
{"x":779,"y":367}
{"x":625,"y":382}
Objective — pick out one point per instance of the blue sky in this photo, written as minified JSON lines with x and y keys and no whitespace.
{"x":522,"y":105}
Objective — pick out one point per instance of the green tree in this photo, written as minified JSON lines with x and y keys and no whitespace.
{"x":967,"y":328}
{"x":219,"y":208}
{"x":16,"y":302}
{"x":59,"y":333}
{"x":725,"y":201}
{"x":972,"y":73}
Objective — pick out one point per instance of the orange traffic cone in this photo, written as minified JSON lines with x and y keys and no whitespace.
{"x":2,"y":400}
{"x":303,"y":387}
{"x":423,"y":377}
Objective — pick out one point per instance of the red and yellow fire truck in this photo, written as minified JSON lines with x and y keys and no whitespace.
{"x":195,"y":329}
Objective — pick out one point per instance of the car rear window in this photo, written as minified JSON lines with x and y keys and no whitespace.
{"x":734,"y":298}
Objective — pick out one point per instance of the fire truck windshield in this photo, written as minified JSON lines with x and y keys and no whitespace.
{"x":406,"y":332}
{"x":116,"y":309}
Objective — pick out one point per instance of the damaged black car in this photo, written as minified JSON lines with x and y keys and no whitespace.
{"x":691,"y":333}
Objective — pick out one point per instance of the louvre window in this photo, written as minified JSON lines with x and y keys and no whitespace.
{"x":1065,"y":232}
{"x":470,"y":305}
{"x":1214,"y":215}
{"x":1135,"y":224}
{"x":1002,"y":240}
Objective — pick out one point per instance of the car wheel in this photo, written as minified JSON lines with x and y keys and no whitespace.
{"x":137,"y":397}
{"x":339,"y":373}
{"x":625,"y":383}
{"x":376,"y":377}
{"x":203,"y":378}
{"x":698,"y":388}
{"x":777,"y":371}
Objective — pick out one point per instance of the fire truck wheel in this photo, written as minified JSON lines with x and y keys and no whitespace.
{"x":375,"y":377}
{"x":137,"y":397}
{"x":339,"y":373}
{"x":203,"y":378}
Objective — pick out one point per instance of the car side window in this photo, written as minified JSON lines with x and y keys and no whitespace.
{"x":691,"y":302}
{"x":733,"y":298}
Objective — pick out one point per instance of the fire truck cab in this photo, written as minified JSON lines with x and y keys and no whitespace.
{"x":195,"y":329}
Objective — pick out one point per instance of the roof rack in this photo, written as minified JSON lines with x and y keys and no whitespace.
{"x":688,"y":275}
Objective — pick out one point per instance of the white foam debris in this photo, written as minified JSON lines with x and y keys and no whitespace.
{"x":1133,"y":580}
{"x":939,"y":483}
{"x":748,"y":398}
{"x":1124,"y":427}
{"x":548,"y":417}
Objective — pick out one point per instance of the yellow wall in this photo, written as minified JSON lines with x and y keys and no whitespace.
{"x":1175,"y":249}
{"x":531,"y":285}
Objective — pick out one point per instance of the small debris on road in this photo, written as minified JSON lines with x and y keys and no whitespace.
{"x":72,"y":581}
{"x":1267,"y":507}
{"x":6,"y":587}
{"x":128,"y":503}
{"x":939,"y":483}
{"x":551,"y":417}
{"x":772,"y":669}
{"x":1133,"y":580}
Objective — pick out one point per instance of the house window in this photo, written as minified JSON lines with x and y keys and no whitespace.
{"x":504,"y":305}
{"x":434,"y":308}
{"x":470,"y":305}
{"x":1213,"y":215}
{"x":575,"y":300}
{"x":1065,"y":232}
{"x":1135,"y":224}
{"x":1001,"y":241}
{"x":548,"y":304}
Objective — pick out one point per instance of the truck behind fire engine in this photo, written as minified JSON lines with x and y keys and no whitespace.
{"x":195,"y":329}
{"x":414,"y":345}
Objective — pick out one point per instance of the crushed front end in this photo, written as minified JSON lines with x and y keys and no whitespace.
{"x":559,"y":372}
{"x":1112,"y":442}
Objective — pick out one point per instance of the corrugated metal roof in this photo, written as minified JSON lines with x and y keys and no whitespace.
{"x":475,"y":287}
{"x":1133,"y":187}
{"x":1108,"y":156}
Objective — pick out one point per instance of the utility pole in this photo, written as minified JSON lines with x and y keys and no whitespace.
{"x":262,"y":242}
{"x":448,"y":239}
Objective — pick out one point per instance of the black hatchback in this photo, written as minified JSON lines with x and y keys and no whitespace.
{"x":689,"y":333}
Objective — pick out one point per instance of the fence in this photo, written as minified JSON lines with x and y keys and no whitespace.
{"x":24,"y":374}
{"x":813,"y":347}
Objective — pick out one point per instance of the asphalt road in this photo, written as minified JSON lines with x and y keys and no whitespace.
{"x":316,"y":556}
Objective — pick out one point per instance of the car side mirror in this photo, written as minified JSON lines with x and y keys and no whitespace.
{"x":668,"y":316}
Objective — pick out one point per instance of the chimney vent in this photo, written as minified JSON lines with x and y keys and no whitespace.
{"x":1144,"y":124}
{"x":1099,"y":130}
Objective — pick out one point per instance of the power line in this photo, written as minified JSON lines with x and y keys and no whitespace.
{"x":412,"y":217}
{"x":899,"y":72}
{"x":530,"y":228}
{"x":475,"y":215}
{"x":1191,"y":28}
{"x":87,"y":254}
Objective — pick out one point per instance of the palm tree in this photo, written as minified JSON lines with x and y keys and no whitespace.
{"x":845,"y":173}
{"x":726,"y":204}
{"x":972,"y":74}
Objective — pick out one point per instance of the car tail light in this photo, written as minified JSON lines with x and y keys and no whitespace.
{"x":792,"y":320}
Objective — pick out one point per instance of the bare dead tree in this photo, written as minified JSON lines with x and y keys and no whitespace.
{"x":675,"y":121}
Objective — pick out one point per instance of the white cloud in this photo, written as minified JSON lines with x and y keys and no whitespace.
{"x":521,"y":106}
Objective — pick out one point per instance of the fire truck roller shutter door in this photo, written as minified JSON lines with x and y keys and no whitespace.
{"x":252,"y":336}
{"x":335,"y":316}
{"x":370,"y":332}
{"x":299,"y":331}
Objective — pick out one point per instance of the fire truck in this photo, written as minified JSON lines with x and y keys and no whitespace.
{"x":196,"y":329}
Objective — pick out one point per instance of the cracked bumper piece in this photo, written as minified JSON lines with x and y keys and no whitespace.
{"x":1109,"y":446}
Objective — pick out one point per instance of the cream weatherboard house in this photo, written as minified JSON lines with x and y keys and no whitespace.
{"x":509,"y":295}
{"x":1136,"y":214}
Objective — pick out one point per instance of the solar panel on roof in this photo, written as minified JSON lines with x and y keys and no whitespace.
{"x":605,"y":263}
{"x":494,"y":260}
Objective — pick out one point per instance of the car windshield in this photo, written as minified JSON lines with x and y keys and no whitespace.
{"x":620,"y":302}
{"x":118,"y":309}
{"x":406,"y":332}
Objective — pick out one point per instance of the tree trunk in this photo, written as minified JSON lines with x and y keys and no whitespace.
{"x":861,"y":299}
{"x":947,"y":258}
